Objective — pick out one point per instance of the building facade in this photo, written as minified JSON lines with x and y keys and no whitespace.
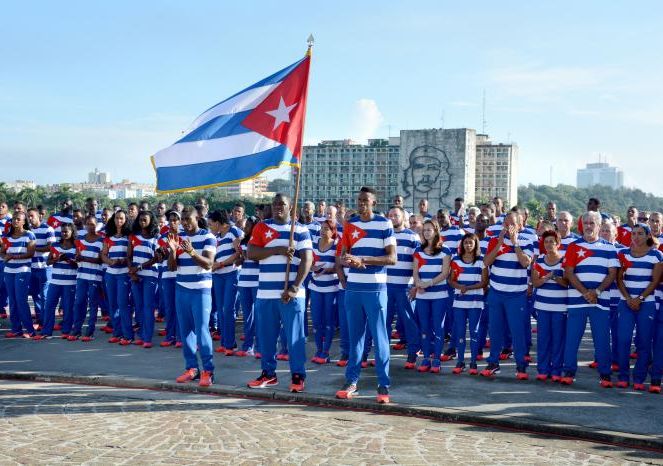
{"x":335,"y":170}
{"x":434,"y":164}
{"x":600,"y":174}
{"x":496,"y":171}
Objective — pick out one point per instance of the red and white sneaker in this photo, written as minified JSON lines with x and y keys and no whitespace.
{"x":282,"y":357}
{"x":263,"y":381}
{"x":297,"y":384}
{"x":348,"y":391}
{"x":188,"y":375}
{"x":383,"y":395}
{"x":206,"y":379}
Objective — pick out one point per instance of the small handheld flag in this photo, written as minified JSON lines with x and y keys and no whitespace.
{"x":256,"y":129}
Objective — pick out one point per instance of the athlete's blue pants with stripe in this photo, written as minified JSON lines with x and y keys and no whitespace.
{"x":17,"y":286}
{"x":550,"y":339}
{"x":193,"y":311}
{"x":272,"y":314}
{"x":86,"y":300}
{"x":509,"y":308}
{"x":599,"y":320}
{"x":144,"y":292}
{"x":367,"y":308}
{"x":65,"y":294}
{"x":117,"y":289}
{"x":645,"y":321}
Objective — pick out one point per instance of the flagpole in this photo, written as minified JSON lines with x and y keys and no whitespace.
{"x":293,"y":211}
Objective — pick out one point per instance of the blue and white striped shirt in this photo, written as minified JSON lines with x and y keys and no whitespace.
{"x":551,"y":296}
{"x":506,"y":273}
{"x":468,"y":274}
{"x":429,"y":267}
{"x":324,"y":282}
{"x":90,"y":250}
{"x":117,"y":249}
{"x":591,"y":263}
{"x":143,"y":251}
{"x":225,"y":248}
{"x":189,"y":274}
{"x":272,"y":269}
{"x":451,"y":238}
{"x":18,"y":246}
{"x":368,"y":239}
{"x":400,"y":275}
{"x":248,"y":274}
{"x":63,"y":273}
{"x":45,"y":236}
{"x":638,"y":272}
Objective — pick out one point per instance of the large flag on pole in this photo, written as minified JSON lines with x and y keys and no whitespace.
{"x":254,"y":130}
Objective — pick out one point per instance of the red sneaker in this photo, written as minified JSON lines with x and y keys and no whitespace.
{"x":424,"y":367}
{"x":106,"y":329}
{"x":398,"y":346}
{"x":87,"y":339}
{"x":541,"y":377}
{"x":556,"y":378}
{"x":188,"y":375}
{"x":241,"y":354}
{"x":216,"y":337}
{"x":654,"y":389}
{"x":158,"y":319}
{"x":487,"y":345}
{"x":57,"y":327}
{"x":607,"y":383}
{"x":72,"y":337}
{"x":347,"y":392}
{"x":242,"y":337}
{"x":364,"y":364}
{"x":11,"y":335}
{"x":257,"y":355}
{"x":522,"y":376}
{"x":614,"y":367}
{"x":395,"y":335}
{"x":473,"y":369}
{"x":114,"y":340}
{"x":435,"y":369}
{"x":593,"y":365}
{"x":206,"y":379}
{"x":480,"y":357}
{"x":125,"y":342}
{"x":39,"y":337}
{"x":342,"y":362}
{"x":633,"y":356}
{"x":566,"y":380}
{"x":383,"y":395}
{"x":105,"y":318}
{"x":263,"y":381}
{"x":622,"y":384}
{"x":639,"y":387}
{"x":528,"y":358}
{"x":166,"y":343}
{"x":408,"y":365}
{"x":220,"y":349}
{"x":459,"y":369}
{"x":3,"y":315}
{"x":297,"y":384}
{"x":64,"y":336}
{"x":147,"y":345}
{"x":162,"y":332}
{"x":178,"y":344}
{"x":138,"y":342}
{"x":282,"y":357}
{"x":230,"y":352}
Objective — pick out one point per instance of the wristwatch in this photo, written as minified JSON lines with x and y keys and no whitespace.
{"x":641,"y":298}
{"x":294,"y":287}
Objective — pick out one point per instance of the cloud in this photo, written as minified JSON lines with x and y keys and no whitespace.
{"x":366,"y":119}
{"x":463,"y":103}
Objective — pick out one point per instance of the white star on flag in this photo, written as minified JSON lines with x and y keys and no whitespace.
{"x":281,"y":114}
{"x":269,"y":235}
{"x":581,"y":253}
{"x":355,"y":234}
{"x":504,"y":249}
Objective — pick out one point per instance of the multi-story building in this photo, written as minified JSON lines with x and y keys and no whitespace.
{"x":18,"y":185}
{"x":600,"y":174}
{"x":255,"y":188}
{"x":336,"y":170}
{"x":97,"y":177}
{"x":496,"y":171}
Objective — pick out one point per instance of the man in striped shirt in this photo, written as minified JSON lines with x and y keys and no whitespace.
{"x":191,"y":254}
{"x":509,"y":256}
{"x":41,"y":272}
{"x":277,"y":304}
{"x":368,"y":246}
{"x":590,"y":266}
{"x":399,"y":279}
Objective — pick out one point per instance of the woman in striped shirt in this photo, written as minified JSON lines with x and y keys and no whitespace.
{"x":430,"y":275}
{"x":62,"y":287}
{"x":88,"y":280}
{"x":324,"y":290}
{"x":469,"y":278}
{"x":637,"y":279}
{"x":114,"y":255}
{"x":143,"y":272}
{"x":247,"y":285}
{"x":168,"y":281}
{"x":550,"y":303}
{"x":18,"y":247}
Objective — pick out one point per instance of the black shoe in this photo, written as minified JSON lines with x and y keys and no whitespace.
{"x":263,"y":381}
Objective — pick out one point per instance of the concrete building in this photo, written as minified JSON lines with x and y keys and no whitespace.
{"x":437,"y":165}
{"x":496,"y":170}
{"x":600,"y":174}
{"x":336,"y":170}
{"x":434,"y":164}
{"x":255,"y":188}
{"x":18,"y":185}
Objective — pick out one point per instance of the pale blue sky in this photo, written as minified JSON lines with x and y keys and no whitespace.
{"x":106,"y":84}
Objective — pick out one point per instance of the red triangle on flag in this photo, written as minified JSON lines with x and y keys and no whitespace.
{"x":79,"y":245}
{"x":7,"y":243}
{"x":456,"y":269}
{"x":419,"y":260}
{"x":351,"y":234}
{"x":109,"y":242}
{"x":134,"y":240}
{"x":281,"y":115}
{"x":623,"y":260}
{"x":55,"y":252}
{"x":540,"y":269}
{"x":53,"y":222}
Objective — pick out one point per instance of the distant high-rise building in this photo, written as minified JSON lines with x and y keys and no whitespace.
{"x":600,"y":174}
{"x":496,"y":170}
{"x":97,"y":177}
{"x":254,"y":188}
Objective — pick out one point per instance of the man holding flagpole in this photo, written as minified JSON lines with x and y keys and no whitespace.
{"x":279,"y":257}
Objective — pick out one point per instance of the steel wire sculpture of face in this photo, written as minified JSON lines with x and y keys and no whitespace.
{"x":427,"y":176}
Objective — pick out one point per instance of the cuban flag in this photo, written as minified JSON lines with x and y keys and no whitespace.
{"x":257,"y":129}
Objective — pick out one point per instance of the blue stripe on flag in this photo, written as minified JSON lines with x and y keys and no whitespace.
{"x":218,"y":127}
{"x":221,"y":171}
